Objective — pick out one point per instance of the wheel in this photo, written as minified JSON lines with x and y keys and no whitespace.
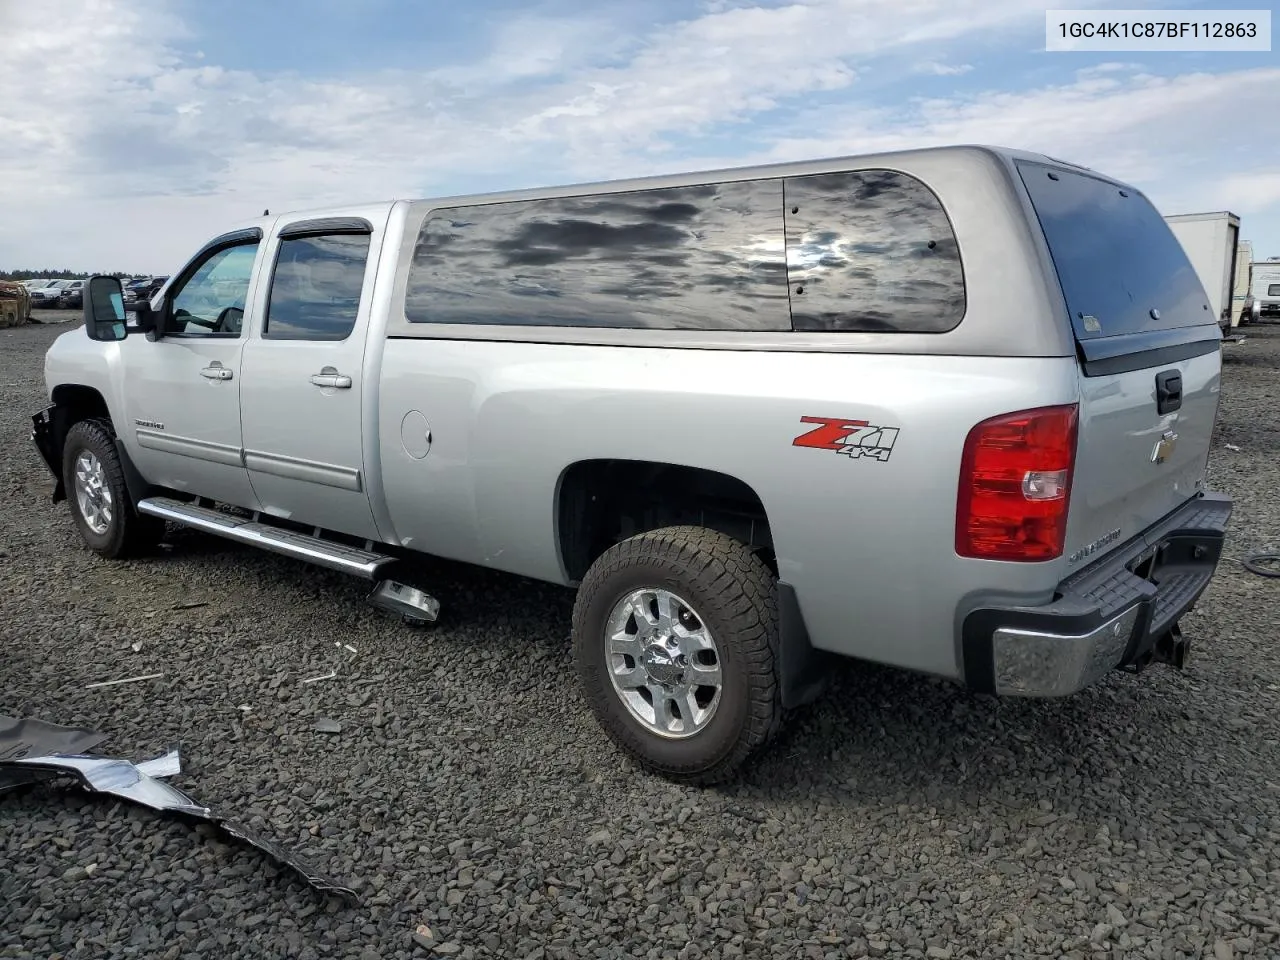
{"x":674,"y":635}
{"x":100,"y":503}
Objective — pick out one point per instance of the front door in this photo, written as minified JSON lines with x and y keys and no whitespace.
{"x":182,"y":392}
{"x":303,"y":386}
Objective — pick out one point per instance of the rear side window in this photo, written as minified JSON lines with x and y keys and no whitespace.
{"x":871,"y":251}
{"x":1273,"y":290}
{"x":707,"y":257}
{"x":1121,"y":268}
{"x":315,"y":291}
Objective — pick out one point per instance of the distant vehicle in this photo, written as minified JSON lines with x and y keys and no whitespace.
{"x":1241,"y":293}
{"x":15,"y":303}
{"x":1266,"y":289}
{"x":35,"y":283}
{"x":1211,"y":241}
{"x":47,"y":296}
{"x":143,"y":289}
{"x":69,"y":297}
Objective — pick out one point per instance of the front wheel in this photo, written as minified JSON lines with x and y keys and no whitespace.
{"x":675,"y":633}
{"x":100,"y":504}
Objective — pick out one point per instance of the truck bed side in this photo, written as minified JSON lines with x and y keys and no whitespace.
{"x":866,"y":542}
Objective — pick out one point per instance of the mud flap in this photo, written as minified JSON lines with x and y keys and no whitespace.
{"x":802,"y":670}
{"x":46,"y":434}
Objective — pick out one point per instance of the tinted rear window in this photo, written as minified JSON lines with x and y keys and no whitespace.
{"x":1121,"y":268}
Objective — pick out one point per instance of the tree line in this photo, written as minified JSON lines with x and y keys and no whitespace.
{"x":65,"y":274}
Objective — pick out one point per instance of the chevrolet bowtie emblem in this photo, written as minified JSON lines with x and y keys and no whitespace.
{"x":1164,"y":447}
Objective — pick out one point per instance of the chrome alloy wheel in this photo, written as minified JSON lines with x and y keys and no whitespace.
{"x":663,"y":662}
{"x":93,"y":495}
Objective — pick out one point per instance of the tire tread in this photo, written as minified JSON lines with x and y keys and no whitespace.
{"x":131,"y":533}
{"x":738,"y":588}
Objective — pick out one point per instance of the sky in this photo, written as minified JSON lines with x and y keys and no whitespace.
{"x":133,"y":130}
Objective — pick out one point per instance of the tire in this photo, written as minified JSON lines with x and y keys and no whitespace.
{"x":725,"y":591}
{"x":118,"y":531}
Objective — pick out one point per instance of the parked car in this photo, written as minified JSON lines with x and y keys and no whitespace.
{"x":143,"y":289}
{"x":752,"y":434}
{"x":15,"y":303}
{"x":36,"y":283}
{"x":47,"y":296}
{"x":69,"y":297}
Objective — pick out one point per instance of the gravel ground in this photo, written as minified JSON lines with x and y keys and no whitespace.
{"x":469,"y":791}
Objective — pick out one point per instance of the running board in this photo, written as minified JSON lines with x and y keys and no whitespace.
{"x":323,"y":553}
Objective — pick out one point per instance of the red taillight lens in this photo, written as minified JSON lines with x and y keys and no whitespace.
{"x":1015,"y":483}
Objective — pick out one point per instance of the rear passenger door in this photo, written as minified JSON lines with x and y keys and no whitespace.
{"x":302,"y":394}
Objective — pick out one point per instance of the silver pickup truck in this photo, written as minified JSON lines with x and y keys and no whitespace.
{"x":947,"y":409}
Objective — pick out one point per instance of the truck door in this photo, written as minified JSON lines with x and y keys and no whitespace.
{"x":303,"y":389}
{"x":181,"y":392}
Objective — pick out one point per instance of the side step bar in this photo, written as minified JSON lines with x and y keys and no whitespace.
{"x":334,"y":556}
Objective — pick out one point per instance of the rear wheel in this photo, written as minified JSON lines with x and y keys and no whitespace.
{"x":100,"y":505}
{"x":674,"y":637}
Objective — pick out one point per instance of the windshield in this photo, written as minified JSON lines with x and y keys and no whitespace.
{"x":1121,"y":268}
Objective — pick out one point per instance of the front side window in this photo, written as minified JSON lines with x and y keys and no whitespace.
{"x":212,"y":301}
{"x":871,"y":251}
{"x":315,"y":291}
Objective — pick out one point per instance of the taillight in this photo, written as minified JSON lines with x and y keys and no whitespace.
{"x":1015,"y":483}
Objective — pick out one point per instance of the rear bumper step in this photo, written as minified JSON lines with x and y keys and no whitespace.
{"x":300,"y":546}
{"x":1120,"y":612}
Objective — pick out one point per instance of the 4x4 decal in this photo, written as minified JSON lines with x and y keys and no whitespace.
{"x":853,"y":438}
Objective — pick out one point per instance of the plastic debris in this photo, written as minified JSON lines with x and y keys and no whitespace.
{"x":30,"y":737}
{"x":114,"y":683}
{"x":142,"y":784}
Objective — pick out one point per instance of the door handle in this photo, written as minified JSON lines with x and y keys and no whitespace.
{"x":330,"y":377}
{"x":216,"y":371}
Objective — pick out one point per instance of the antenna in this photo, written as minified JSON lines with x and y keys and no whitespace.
{"x":266,"y":213}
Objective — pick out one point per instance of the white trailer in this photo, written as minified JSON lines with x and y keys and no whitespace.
{"x":1266,"y":288}
{"x":1211,"y":242}
{"x":1244,"y":281}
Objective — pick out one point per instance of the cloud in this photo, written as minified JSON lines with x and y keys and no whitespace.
{"x":1176,"y":137}
{"x":1255,"y":191}
{"x":945,"y":70}
{"x":129,"y":149}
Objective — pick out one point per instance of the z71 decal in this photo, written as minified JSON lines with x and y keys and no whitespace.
{"x":853,"y":438}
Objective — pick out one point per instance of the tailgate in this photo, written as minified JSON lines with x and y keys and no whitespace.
{"x":1150,"y":356}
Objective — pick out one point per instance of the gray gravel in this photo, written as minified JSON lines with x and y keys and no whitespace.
{"x":471,"y":800}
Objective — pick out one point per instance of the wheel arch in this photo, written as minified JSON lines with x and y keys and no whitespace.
{"x":599,"y":502}
{"x":73,"y":403}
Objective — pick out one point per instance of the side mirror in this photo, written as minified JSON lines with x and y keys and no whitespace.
{"x":103,"y":304}
{"x":105,"y":317}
